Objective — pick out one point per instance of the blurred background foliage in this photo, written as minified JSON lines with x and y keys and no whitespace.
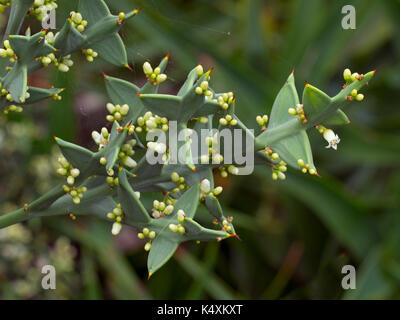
{"x":296,"y":234}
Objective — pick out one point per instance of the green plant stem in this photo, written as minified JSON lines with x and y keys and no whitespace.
{"x":52,"y":203}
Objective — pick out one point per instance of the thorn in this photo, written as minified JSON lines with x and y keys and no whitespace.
{"x":54,"y":137}
{"x":167,"y":56}
{"x":62,"y":89}
{"x":307,"y":84}
{"x":236,"y":236}
{"x":375,"y":70}
{"x":292,"y":73}
{"x":128,"y":67}
{"x":317,"y":174}
{"x":139,"y":95}
{"x":209,"y":71}
{"x":104,"y":75}
{"x":350,"y":122}
{"x":150,"y":274}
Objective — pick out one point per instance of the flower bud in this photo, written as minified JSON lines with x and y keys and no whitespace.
{"x":116,"y":228}
{"x":110,"y":107}
{"x":129,"y":162}
{"x":161,"y":77}
{"x":168,"y":210}
{"x":70,"y":180}
{"x":147,"y":246}
{"x":347,"y":74}
{"x":75,"y":172}
{"x":205,"y":186}
{"x":199,"y":70}
{"x":173,"y":227}
{"x":217,"y":191}
{"x":147,"y":69}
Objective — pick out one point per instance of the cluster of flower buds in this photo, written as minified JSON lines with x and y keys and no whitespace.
{"x":271,"y":154}
{"x":77,"y":21}
{"x":351,"y":77}
{"x":262,"y":121}
{"x":7,"y":51}
{"x":228,"y":120}
{"x":12,"y":108}
{"x":117,"y":215}
{"x":116,"y":112}
{"x":149,"y":122}
{"x":205,"y":189}
{"x":126,"y":152}
{"x":161,"y":209}
{"x":179,"y":181}
{"x":67,"y":170}
{"x":278,"y":171}
{"x":154,"y":76}
{"x":75,"y":193}
{"x":224,"y":170}
{"x":101,"y":139}
{"x":146,"y":233}
{"x":225,"y":100}
{"x":50,"y":37}
{"x":111,"y":180}
{"x":202,"y":88}
{"x":330,"y":136}
{"x":355,"y":95}
{"x":226,"y":224}
{"x":178,"y":227}
{"x":299,"y":111}
{"x":306,"y":167}
{"x":63,"y":64}
{"x":40,"y":8}
{"x":90,"y":54}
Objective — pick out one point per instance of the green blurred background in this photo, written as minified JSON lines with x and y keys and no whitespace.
{"x":296,"y":234}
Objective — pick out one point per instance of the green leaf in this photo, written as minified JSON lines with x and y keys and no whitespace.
{"x":161,"y":251}
{"x":164,"y":105}
{"x":93,"y":10}
{"x":112,"y":49}
{"x":315,"y":102}
{"x":188,"y":85}
{"x":131,"y":205}
{"x":16,"y":82}
{"x":195,"y":231}
{"x":339,"y":118}
{"x":29,"y":47}
{"x":286,"y":98}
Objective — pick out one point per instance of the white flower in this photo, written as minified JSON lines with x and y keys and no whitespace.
{"x":205,"y":186}
{"x":116,"y":228}
{"x":129,"y":162}
{"x":332,"y":138}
